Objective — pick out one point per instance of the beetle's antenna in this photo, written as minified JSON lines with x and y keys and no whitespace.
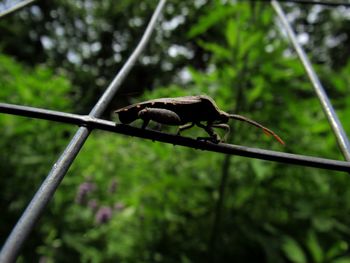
{"x":266,"y":130}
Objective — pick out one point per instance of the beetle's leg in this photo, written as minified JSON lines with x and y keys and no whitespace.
{"x":158,"y":127}
{"x":185,"y":127}
{"x":145,"y":123}
{"x":223,"y":126}
{"x":163,"y":116}
{"x":214,"y":137}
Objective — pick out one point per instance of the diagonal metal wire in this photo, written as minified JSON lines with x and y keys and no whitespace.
{"x":25,"y":224}
{"x":332,"y":117}
{"x":16,"y":7}
{"x":46,"y":191}
{"x":95,"y":123}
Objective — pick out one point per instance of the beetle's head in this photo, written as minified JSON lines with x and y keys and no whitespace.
{"x":127,"y":116}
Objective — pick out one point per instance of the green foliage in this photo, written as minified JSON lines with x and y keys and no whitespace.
{"x":29,"y":147}
{"x":211,"y":19}
{"x":130,"y":200}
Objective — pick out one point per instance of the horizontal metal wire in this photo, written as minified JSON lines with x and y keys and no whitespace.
{"x":26,"y":223}
{"x":306,"y":2}
{"x":37,"y":205}
{"x":16,"y":7}
{"x":326,"y":104}
{"x":95,"y":123}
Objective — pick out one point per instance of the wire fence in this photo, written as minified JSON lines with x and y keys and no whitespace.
{"x":95,"y":123}
{"x":87,"y":123}
{"x":331,"y":3}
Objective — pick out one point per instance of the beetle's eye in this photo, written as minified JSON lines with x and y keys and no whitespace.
{"x":127,"y":117}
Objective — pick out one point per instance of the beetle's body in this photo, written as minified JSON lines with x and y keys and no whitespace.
{"x":184,"y":112}
{"x":189,"y":109}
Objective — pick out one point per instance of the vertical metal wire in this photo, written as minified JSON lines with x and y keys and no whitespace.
{"x":46,"y":191}
{"x":332,"y":117}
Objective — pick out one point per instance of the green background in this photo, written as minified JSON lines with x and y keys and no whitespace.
{"x":130,"y":200}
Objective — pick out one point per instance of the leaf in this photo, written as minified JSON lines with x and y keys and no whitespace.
{"x":261,"y":169}
{"x":216,"y":49}
{"x":266,"y":17}
{"x":293,"y":251}
{"x":257,"y":91}
{"x":337,"y":249}
{"x":323,"y":224}
{"x":209,"y":19}
{"x":231,"y":32}
{"x":248,"y":43}
{"x":342,"y":260}
{"x":314,"y":247}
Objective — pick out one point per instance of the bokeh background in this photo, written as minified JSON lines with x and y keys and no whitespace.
{"x":129,"y":200}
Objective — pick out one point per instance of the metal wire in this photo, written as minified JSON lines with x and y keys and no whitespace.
{"x":36,"y":207}
{"x":95,"y":123}
{"x":113,"y":87}
{"x":46,"y":191}
{"x":306,"y":2}
{"x":16,"y":7}
{"x":332,"y":117}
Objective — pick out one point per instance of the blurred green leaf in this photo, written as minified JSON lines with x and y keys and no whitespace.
{"x":337,"y":249}
{"x":293,"y":250}
{"x":231,"y":33}
{"x":215,"y":49}
{"x":210,"y":19}
{"x":314,"y":247}
{"x":342,"y":260}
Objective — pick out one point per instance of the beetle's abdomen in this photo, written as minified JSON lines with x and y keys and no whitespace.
{"x":159,"y":115}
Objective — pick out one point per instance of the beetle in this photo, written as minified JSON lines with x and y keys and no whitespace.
{"x":186,"y":112}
